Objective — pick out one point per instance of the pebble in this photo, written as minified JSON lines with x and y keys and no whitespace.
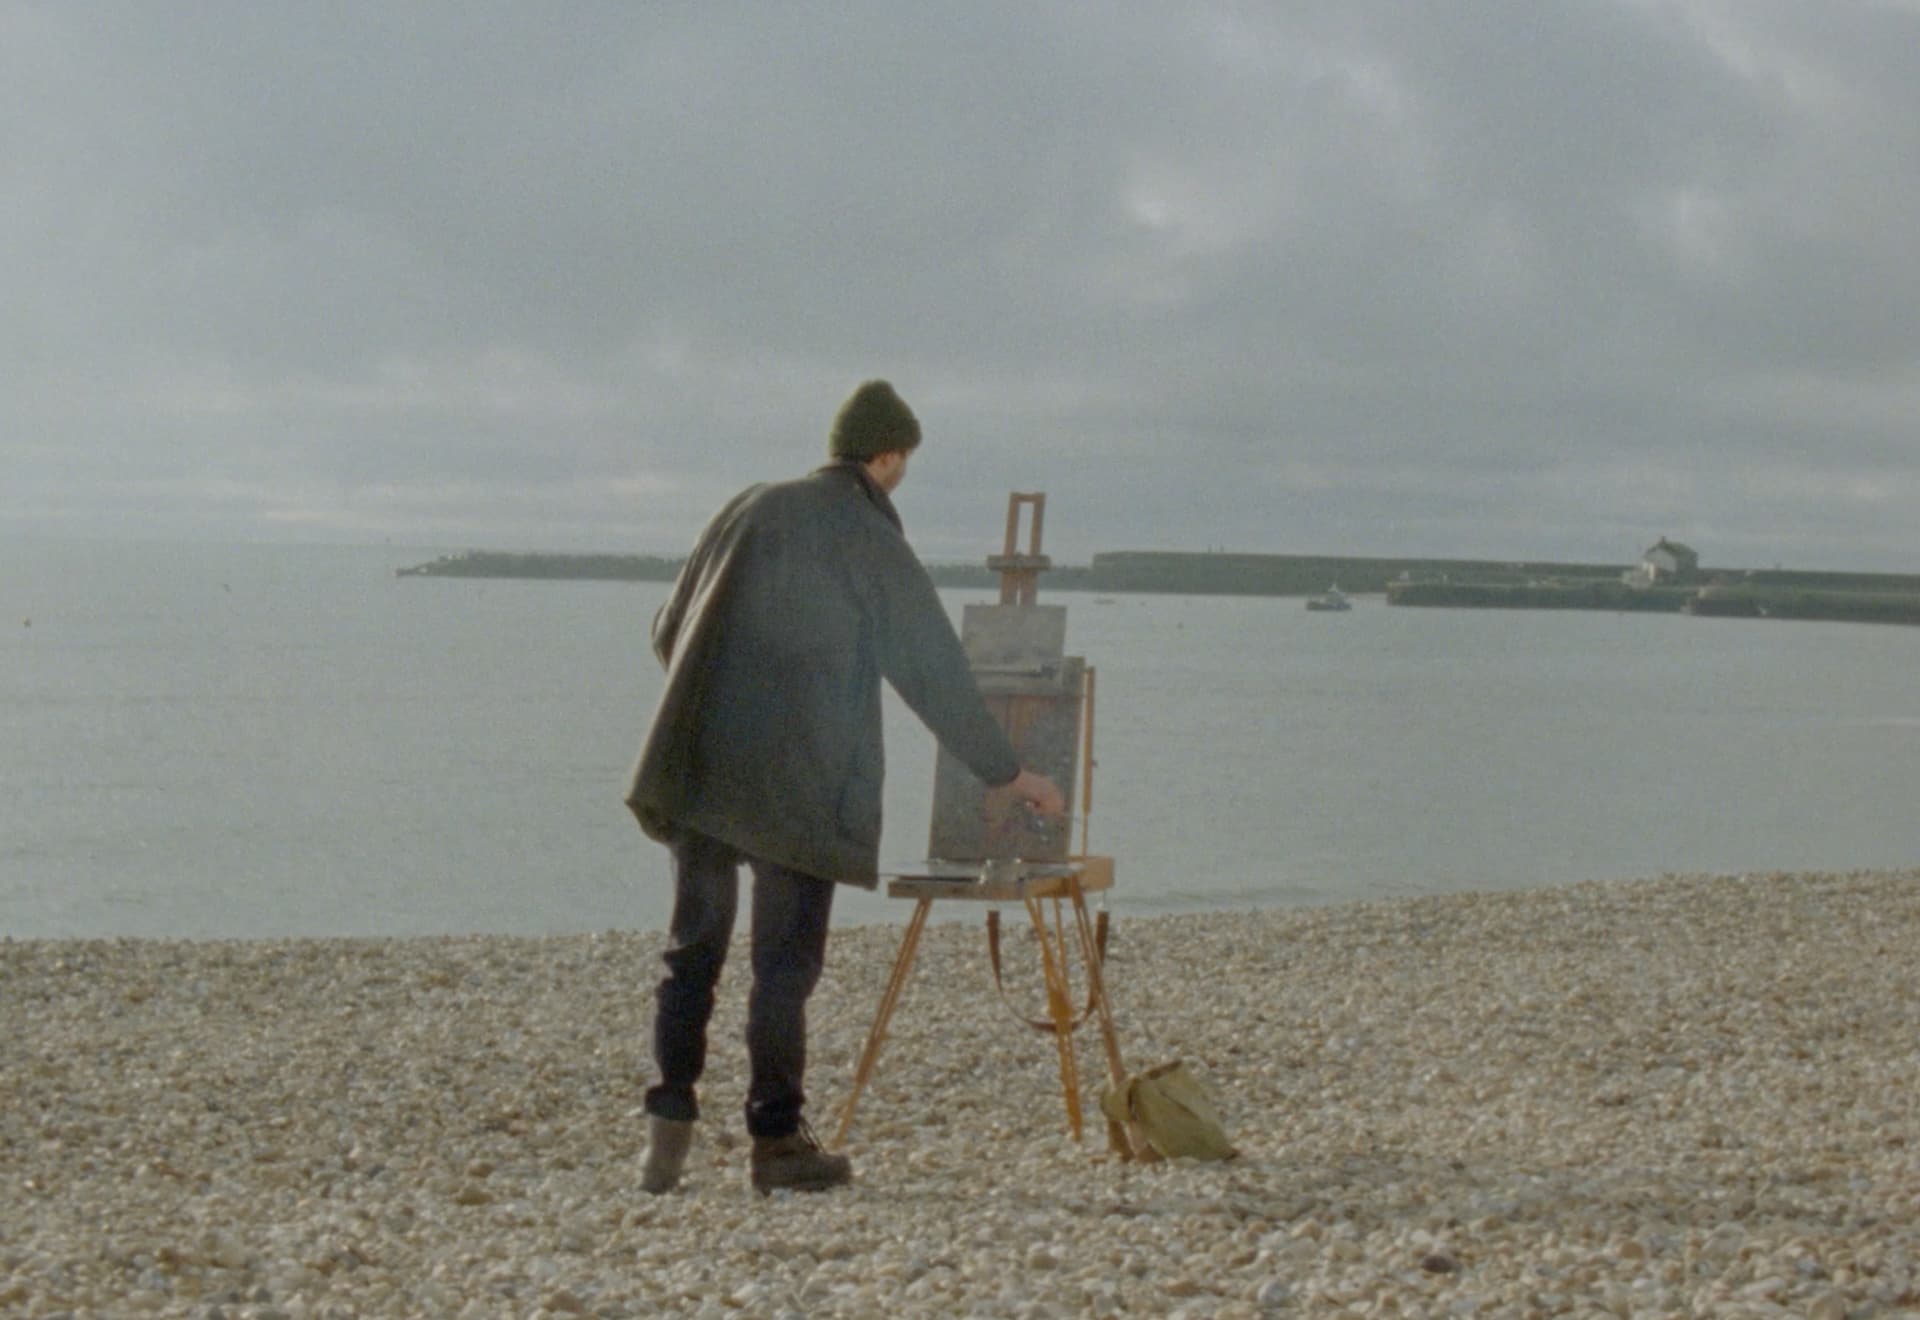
{"x":1690,"y":1095}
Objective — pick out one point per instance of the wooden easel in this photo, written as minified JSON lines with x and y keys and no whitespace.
{"x":1015,"y":648}
{"x":1067,"y":885}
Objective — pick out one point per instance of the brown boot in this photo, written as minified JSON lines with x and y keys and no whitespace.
{"x":797,"y":1162}
{"x":667,"y":1142}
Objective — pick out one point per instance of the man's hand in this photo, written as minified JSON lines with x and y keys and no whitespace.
{"x":1038,"y":792}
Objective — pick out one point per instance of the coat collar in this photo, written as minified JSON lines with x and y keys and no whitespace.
{"x":880,"y":498}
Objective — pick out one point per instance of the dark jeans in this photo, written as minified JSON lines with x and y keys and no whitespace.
{"x":790,"y":912}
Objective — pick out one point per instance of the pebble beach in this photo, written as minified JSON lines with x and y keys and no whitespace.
{"x":1685,"y":1096}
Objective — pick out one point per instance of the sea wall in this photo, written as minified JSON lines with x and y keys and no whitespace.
{"x":1300,"y":575}
{"x":1748,"y":602}
{"x":1118,"y":571}
{"x":539,"y":564}
{"x":1590,"y":595}
{"x":1447,"y":583}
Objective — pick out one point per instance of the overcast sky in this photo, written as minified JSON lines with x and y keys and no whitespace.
{"x":1511,"y":279}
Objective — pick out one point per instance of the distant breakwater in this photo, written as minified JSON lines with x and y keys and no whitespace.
{"x":1442,"y":583}
{"x":1738,"y":598}
{"x":1173,"y":572}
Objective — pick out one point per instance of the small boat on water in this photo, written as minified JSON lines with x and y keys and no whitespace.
{"x":1331,"y":599}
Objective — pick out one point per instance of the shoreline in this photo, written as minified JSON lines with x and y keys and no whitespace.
{"x":1684,"y":1095}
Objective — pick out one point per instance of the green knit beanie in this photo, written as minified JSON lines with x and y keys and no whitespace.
{"x":873,"y":421}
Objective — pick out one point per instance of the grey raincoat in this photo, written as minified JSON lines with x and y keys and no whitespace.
{"x":797,"y":599}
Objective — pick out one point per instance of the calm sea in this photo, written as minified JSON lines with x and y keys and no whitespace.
{"x":215,"y":741}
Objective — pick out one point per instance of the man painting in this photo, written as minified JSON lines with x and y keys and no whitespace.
{"x":798,"y":598}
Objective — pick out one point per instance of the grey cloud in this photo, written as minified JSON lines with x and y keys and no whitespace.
{"x":1514,"y":279}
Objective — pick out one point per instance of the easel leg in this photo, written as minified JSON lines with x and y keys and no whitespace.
{"x":1060,"y":1008}
{"x":902,"y":965}
{"x":1097,"y":993}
